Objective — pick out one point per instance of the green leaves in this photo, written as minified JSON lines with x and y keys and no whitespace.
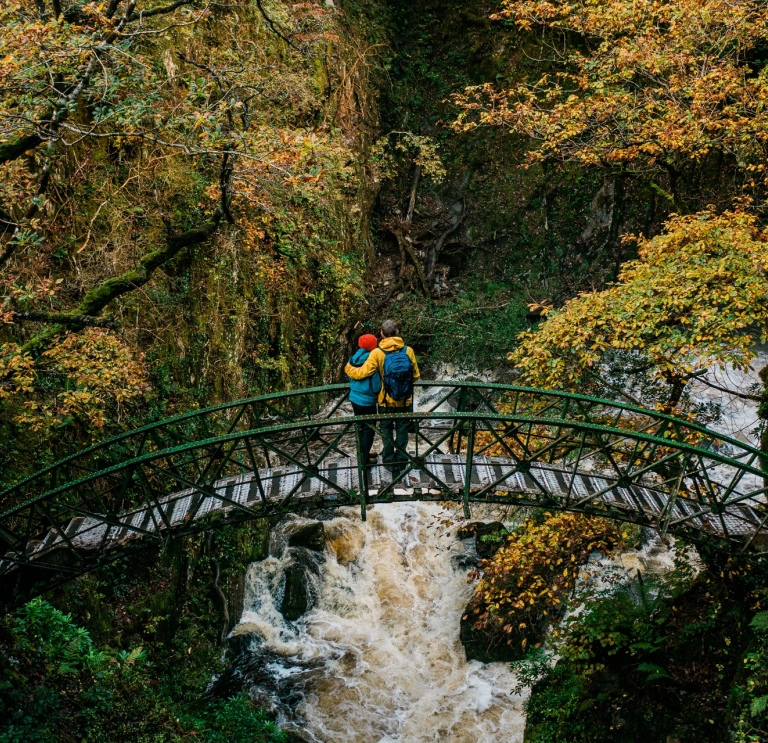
{"x":56,"y":682}
{"x":760,"y":621}
{"x":653,"y":672}
{"x":758,"y":706}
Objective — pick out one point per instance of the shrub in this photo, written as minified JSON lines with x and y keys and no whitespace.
{"x":58,"y":686}
{"x":525,"y":584}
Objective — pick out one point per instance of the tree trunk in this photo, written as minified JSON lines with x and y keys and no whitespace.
{"x":412,"y":198}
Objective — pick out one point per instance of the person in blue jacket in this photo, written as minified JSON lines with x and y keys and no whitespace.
{"x":364,"y":393}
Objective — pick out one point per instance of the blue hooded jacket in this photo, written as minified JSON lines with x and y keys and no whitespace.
{"x":364,"y":391}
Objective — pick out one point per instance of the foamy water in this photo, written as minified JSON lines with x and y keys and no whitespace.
{"x":378,"y":658}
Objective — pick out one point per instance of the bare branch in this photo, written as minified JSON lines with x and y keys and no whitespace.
{"x":137,"y":15}
{"x":100,"y":296}
{"x":276,"y":29}
{"x":412,"y":197}
{"x":406,"y":249}
{"x":742,"y":395}
{"x":437,"y":248}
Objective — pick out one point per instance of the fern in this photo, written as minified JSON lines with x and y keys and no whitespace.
{"x":655,"y":673}
{"x":760,"y":621}
{"x":759,"y":705}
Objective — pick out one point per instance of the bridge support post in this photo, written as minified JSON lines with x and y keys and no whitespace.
{"x":362,"y":471}
{"x":468,"y":468}
{"x":455,"y":443}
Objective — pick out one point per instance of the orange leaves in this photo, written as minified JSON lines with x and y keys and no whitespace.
{"x":661,"y":82}
{"x":94,"y":374}
{"x":16,"y":371}
{"x":698,"y":295}
{"x":523,"y":585}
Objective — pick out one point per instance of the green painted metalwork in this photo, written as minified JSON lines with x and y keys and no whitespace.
{"x":299,"y":450}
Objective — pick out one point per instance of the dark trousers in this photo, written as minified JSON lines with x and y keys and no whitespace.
{"x":397,"y":430}
{"x":367,"y":431}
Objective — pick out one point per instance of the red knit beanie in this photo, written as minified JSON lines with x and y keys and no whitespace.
{"x":368,"y":342}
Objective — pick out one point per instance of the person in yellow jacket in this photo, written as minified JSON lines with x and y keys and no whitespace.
{"x":396,"y":395}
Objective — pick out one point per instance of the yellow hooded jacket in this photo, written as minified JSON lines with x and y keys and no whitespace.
{"x":375,"y":363}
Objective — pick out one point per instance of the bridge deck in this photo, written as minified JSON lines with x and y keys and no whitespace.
{"x":298,"y":450}
{"x":497,"y":479}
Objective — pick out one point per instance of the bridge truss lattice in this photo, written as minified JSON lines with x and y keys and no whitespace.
{"x":300,"y":450}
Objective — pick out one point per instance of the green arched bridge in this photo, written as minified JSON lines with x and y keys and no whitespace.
{"x":294,"y":451}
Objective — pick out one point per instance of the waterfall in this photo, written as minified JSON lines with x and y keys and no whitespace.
{"x":378,"y":658}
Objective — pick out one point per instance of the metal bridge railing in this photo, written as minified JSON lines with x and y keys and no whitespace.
{"x":473,"y":442}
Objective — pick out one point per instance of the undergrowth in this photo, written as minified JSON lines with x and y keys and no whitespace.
{"x":59,"y":686}
{"x":127,"y":652}
{"x":651,"y":659}
{"x":472,"y":329}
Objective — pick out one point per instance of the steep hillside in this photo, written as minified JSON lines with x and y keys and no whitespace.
{"x":186,"y":208}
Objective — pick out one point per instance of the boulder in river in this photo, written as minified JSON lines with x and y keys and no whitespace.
{"x":272,"y":681}
{"x":485,"y":548}
{"x":311,"y":536}
{"x":301,"y":582}
{"x":296,"y":597}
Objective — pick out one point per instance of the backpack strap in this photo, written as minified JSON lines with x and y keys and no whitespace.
{"x":398,"y":350}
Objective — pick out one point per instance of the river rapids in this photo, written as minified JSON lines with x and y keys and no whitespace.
{"x":378,"y":658}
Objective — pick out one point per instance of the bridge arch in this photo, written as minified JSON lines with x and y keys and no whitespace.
{"x":298,"y":450}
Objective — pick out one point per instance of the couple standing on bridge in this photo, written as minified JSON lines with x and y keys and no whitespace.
{"x":382,"y":372}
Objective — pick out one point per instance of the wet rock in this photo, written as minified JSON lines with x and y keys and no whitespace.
{"x":272,"y":681}
{"x":296,"y":599}
{"x":493,"y":645}
{"x":466,"y":560}
{"x":239,"y":640}
{"x":301,"y":582}
{"x":311,"y":536}
{"x":345,"y":539}
{"x":478,"y":529}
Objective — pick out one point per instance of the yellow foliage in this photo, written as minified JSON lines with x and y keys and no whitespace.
{"x":653,"y":83}
{"x":94,"y":373}
{"x":523,"y":585}
{"x":697,"y":295}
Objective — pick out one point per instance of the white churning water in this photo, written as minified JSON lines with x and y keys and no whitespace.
{"x":378,"y":658}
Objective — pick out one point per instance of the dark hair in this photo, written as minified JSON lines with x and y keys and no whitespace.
{"x":389,"y":328}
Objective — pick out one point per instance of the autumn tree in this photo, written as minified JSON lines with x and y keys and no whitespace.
{"x":696,"y":296}
{"x":529,"y":581}
{"x":637,"y":86}
{"x":417,"y":155}
{"x":135,"y":135}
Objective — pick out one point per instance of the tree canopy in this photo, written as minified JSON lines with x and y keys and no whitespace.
{"x":638,"y":85}
{"x":133,"y":134}
{"x":639,"y":88}
{"x":696,"y":296}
